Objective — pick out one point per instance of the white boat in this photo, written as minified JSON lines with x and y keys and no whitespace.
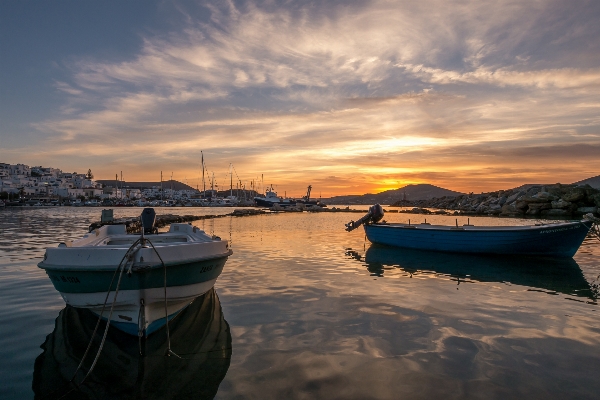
{"x":222,"y":202}
{"x":271,"y":198}
{"x":163,"y":272}
{"x":128,"y":369}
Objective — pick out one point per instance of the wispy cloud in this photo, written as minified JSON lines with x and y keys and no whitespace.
{"x":304,"y":92}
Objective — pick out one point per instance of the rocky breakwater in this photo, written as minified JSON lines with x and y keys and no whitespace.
{"x":565,"y":201}
{"x":133,"y":224}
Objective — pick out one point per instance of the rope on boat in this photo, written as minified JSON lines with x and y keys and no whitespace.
{"x":594,"y":229}
{"x":127,"y":258}
{"x":169,"y":351}
{"x":141,"y":323}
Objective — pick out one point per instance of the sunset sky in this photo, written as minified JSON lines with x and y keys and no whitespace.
{"x":348,"y":96}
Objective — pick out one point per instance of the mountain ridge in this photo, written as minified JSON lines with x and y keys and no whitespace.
{"x":594,"y":182}
{"x":423,"y":191}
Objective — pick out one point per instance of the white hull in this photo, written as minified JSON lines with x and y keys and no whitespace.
{"x":83,"y":270}
{"x":128,"y":307}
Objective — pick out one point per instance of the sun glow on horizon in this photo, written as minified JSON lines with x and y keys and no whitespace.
{"x":311,"y":94}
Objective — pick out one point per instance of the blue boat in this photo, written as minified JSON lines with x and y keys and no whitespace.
{"x":549,"y":275}
{"x":550,"y":240}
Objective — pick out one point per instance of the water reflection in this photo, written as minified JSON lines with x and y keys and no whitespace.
{"x":552,"y":276}
{"x":199,"y":335}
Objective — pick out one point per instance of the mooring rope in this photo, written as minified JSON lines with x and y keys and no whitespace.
{"x":169,"y":351}
{"x":141,"y":324}
{"x":594,"y":229}
{"x":120,"y":267}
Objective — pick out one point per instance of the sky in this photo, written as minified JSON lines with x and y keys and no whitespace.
{"x":350,"y":97}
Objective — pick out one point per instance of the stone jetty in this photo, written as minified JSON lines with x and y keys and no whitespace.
{"x":563,"y":201}
{"x":133,"y":223}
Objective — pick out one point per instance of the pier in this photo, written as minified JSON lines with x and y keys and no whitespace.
{"x":133,"y":223}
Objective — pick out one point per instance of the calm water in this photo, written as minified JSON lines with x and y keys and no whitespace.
{"x":304,"y":309}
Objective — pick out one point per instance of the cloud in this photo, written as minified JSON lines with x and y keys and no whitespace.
{"x":335,"y":87}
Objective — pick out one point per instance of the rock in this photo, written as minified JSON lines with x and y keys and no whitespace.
{"x":510,"y":210}
{"x":555,"y":190}
{"x":531,"y":199}
{"x":502,"y":200}
{"x":541,"y":197}
{"x":514,"y":197}
{"x":595,"y":198}
{"x":585,"y":210}
{"x":536,"y":208}
{"x":521,"y":205}
{"x":545,"y":196}
{"x":481,"y":209}
{"x":540,"y":206}
{"x":560,"y":204}
{"x":574,"y":194}
{"x":555,"y":212}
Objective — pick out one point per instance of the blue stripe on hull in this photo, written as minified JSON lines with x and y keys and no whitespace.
{"x":556,"y":241}
{"x":132,"y":328}
{"x":84,"y":281}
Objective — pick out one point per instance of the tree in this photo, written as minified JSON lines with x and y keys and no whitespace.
{"x":89,"y":174}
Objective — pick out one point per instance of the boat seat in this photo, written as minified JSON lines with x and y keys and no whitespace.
{"x":116,"y":229}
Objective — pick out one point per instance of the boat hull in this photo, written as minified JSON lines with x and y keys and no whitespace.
{"x":129,"y":368}
{"x":553,"y":240}
{"x":139,"y":307}
{"x":265,"y":202}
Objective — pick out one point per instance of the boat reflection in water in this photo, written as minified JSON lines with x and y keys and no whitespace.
{"x":551,"y":275}
{"x":199,"y":335}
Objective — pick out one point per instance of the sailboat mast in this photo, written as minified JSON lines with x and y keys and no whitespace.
{"x":230,"y":180}
{"x":203,"y":182}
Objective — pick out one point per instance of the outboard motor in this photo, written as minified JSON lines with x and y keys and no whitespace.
{"x":148,"y":219}
{"x":375,"y":214}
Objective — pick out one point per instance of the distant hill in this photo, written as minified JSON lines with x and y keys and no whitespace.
{"x":593,"y":182}
{"x":146,"y":185}
{"x":410,"y":192}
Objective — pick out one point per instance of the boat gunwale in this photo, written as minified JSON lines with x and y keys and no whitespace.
{"x":473,"y":228}
{"x":138,"y":267}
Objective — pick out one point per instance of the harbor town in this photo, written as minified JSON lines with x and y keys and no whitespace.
{"x":22,"y":185}
{"x":256,"y":200}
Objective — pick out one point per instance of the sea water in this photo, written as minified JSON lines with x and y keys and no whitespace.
{"x":304,"y":309}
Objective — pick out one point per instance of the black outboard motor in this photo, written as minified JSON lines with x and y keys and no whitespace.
{"x":375,"y":214}
{"x":148,"y":219}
